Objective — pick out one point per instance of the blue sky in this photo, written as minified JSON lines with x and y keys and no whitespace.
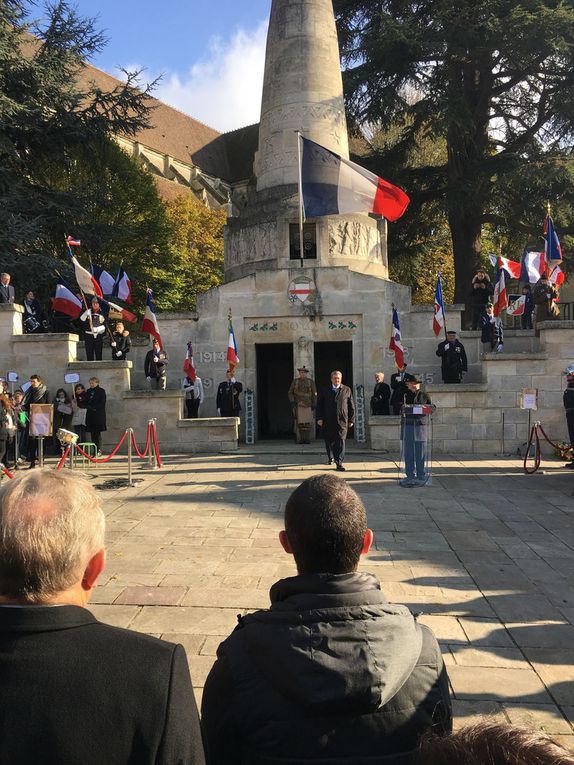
{"x":210,"y":52}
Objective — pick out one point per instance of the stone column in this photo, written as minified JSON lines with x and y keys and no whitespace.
{"x":302,"y":89}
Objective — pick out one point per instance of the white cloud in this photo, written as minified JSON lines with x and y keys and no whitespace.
{"x":224,"y":89}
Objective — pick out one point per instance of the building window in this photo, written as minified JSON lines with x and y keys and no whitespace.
{"x":309,"y":241}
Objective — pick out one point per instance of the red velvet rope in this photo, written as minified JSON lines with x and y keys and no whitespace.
{"x":143,"y":454}
{"x":103,"y":459}
{"x":62,"y":461}
{"x":534,"y":436}
{"x":155,"y":445}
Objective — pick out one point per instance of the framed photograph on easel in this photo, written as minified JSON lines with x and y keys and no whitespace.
{"x":41,"y":420}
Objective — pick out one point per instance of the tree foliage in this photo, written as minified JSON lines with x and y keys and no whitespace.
{"x":60,"y":169}
{"x":197,"y":247}
{"x":494,"y":80}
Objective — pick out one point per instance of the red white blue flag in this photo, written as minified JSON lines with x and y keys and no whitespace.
{"x":332,"y":185}
{"x":86,"y":282}
{"x":125,"y":314}
{"x":534,"y":264}
{"x":122,"y":288}
{"x":511,"y":267}
{"x":66,"y":302}
{"x":500,"y":298}
{"x":188,"y":367}
{"x":232,"y":352}
{"x":552,"y":247}
{"x":439,"y":319}
{"x":396,"y":343}
{"x":149,"y":323}
{"x":104,"y":279}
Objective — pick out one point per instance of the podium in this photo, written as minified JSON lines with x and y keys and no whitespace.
{"x":416,"y":445}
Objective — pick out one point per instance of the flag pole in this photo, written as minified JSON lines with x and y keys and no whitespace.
{"x":438,"y":276}
{"x":300,"y":184}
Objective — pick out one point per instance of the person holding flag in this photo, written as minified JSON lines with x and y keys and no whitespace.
{"x":227,"y":400}
{"x":545,"y":296}
{"x":192,"y":385}
{"x":120,"y":342}
{"x":94,"y":330}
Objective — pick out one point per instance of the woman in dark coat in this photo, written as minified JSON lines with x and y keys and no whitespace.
{"x":96,"y":412}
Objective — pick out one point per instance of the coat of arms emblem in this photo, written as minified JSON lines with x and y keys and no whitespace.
{"x":302,"y":289}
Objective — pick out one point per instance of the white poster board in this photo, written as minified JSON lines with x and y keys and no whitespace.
{"x":71,"y":378}
{"x":13,"y":377}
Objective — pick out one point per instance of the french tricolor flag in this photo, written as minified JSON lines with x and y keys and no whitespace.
{"x":332,"y":185}
{"x":66,"y":302}
{"x":396,"y":342}
{"x":122,"y":288}
{"x":500,"y":298}
{"x":232,"y":352}
{"x":438,"y":319}
{"x":149,"y":323}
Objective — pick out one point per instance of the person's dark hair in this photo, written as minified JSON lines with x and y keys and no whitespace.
{"x":36,"y":377}
{"x":325,"y":522}
{"x":488,"y":743}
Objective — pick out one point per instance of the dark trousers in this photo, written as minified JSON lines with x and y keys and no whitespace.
{"x":93,"y":346}
{"x":415,"y":453}
{"x":526,"y":320}
{"x":335,"y":446}
{"x":3,"y":450}
{"x":570,"y":422}
{"x":96,"y":437}
{"x":192,"y":408}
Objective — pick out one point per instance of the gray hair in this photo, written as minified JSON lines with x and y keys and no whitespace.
{"x":51,"y":524}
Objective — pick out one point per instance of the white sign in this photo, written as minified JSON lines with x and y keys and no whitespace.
{"x":13,"y":377}
{"x":529,"y":398}
{"x":71,"y":378}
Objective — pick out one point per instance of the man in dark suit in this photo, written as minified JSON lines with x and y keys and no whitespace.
{"x":227,"y":400}
{"x":6,"y":289}
{"x":75,"y":690}
{"x":335,"y":415}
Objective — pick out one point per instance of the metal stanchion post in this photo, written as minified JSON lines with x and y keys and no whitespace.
{"x":151,"y":460}
{"x":41,"y":451}
{"x":129,"y":431}
{"x":71,"y":456}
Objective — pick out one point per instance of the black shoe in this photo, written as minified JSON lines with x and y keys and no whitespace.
{"x":329,"y":461}
{"x":31,"y":466}
{"x":569,"y":465}
{"x":341,"y":467}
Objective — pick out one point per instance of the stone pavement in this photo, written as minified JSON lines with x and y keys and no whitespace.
{"x":486,"y":554}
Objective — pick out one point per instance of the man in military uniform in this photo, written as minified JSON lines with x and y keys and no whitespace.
{"x":303,"y":397}
{"x":227,"y":400}
{"x":94,"y":330}
{"x":453,"y":358}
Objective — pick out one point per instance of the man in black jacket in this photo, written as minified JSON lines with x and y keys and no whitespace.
{"x":155,"y":366}
{"x":7,"y":294}
{"x":332,"y":672}
{"x":75,"y":690}
{"x":453,"y":358}
{"x":335,"y":415}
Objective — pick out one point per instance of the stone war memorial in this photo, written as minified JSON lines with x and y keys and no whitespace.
{"x":327,"y":308}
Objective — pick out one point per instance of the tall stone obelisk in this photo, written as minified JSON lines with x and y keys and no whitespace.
{"x":302,"y":89}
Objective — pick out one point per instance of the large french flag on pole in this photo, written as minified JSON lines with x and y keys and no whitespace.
{"x":500,"y":298}
{"x":149,"y":323}
{"x":232,"y":352}
{"x":332,"y":185}
{"x":396,"y":342}
{"x":66,"y":302}
{"x":438,"y":320}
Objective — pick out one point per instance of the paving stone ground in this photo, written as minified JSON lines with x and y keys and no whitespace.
{"x":485,"y":554}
